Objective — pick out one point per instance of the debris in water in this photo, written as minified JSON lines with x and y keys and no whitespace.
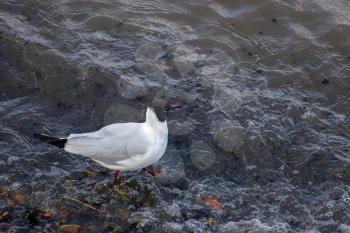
{"x":325,"y":81}
{"x":46,"y":214}
{"x":4,"y":216}
{"x":211,"y":202}
{"x":20,"y":199}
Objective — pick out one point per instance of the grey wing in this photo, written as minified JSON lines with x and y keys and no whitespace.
{"x":108,"y":145}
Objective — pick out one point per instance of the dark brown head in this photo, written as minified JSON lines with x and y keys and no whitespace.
{"x":161,"y":108}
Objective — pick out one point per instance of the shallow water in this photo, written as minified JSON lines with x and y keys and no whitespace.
{"x":264,"y":133}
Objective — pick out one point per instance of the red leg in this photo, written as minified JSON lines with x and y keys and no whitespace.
{"x":116,"y":175}
{"x":152,"y":171}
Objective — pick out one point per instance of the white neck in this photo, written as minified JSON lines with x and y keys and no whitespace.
{"x":154,"y":123}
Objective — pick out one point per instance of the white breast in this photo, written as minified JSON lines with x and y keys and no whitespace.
{"x":158,"y":146}
{"x":156,"y":137}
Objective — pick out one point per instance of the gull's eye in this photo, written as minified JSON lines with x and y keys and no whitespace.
{"x":166,"y":109}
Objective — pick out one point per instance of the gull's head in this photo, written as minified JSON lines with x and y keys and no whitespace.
{"x":162,"y":107}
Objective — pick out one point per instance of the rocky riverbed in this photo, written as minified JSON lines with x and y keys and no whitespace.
{"x":261,"y":145}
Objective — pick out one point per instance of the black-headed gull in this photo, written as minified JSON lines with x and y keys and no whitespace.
{"x":122,"y":146}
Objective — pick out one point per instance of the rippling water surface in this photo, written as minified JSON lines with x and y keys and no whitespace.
{"x":262,"y":144}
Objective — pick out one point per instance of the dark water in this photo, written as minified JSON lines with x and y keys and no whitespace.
{"x":264,"y":131}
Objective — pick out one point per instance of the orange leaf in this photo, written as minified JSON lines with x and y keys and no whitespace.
{"x":19,"y":198}
{"x":71,"y":228}
{"x":212,"y":202}
{"x":46,"y":214}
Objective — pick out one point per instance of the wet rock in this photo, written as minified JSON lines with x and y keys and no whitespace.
{"x":123,"y":214}
{"x":111,"y":227}
{"x":124,"y":193}
{"x":217,"y":63}
{"x":18,"y":229}
{"x":169,"y":212}
{"x":172,"y":169}
{"x":341,"y":215}
{"x":122,"y":113}
{"x":153,"y":72}
{"x":173,"y":178}
{"x":184,"y":59}
{"x":48,"y":227}
{"x":343,"y":228}
{"x":332,"y":227}
{"x":337,"y":193}
{"x":4,"y":227}
{"x":131,"y":87}
{"x":181,"y":127}
{"x":71,"y":228}
{"x":228,"y":135}
{"x":172,"y":227}
{"x":94,"y":22}
{"x":195,"y":212}
{"x":148,"y":53}
{"x":228,"y":100}
{"x":252,"y":226}
{"x":142,"y":219}
{"x":138,"y":194}
{"x":183,"y":67}
{"x":195,"y":226}
{"x":217,"y":74}
{"x":202,"y":156}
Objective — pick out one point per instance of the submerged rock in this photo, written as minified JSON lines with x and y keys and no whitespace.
{"x":172,"y":227}
{"x":202,"y":156}
{"x":148,"y":53}
{"x":228,"y":135}
{"x":252,"y":226}
{"x":119,"y":113}
{"x":343,"y":228}
{"x":181,"y":127}
{"x":194,"y":226}
{"x":143,"y":219}
{"x":172,"y":169}
{"x":130,"y":87}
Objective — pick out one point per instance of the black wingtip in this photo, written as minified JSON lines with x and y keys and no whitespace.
{"x":58,"y":142}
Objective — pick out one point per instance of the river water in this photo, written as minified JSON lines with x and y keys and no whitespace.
{"x":261,"y":145}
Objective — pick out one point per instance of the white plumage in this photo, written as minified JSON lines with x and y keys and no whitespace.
{"x":123,"y":146}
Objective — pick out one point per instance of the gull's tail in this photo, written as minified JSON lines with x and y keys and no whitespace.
{"x":58,"y":142}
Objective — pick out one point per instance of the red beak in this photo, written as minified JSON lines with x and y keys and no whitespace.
{"x":176,"y":106}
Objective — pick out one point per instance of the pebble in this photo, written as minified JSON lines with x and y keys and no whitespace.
{"x":202,"y":156}
{"x":180,"y":127}
{"x":172,"y":227}
{"x":71,"y":228}
{"x":228,"y":135}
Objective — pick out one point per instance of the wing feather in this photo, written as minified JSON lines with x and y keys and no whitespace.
{"x":110,"y":144}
